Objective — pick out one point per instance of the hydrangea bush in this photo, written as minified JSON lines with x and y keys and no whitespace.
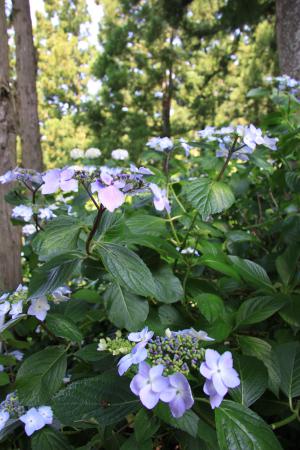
{"x":160,"y":302}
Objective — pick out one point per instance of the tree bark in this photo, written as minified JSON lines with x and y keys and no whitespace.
{"x":10,"y":248}
{"x":288,"y":36}
{"x":26,"y":87}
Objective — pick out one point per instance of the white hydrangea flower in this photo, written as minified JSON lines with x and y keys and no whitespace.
{"x":76,"y":153}
{"x":28,"y":230}
{"x":120,"y":154}
{"x":160,"y":144}
{"x":93,"y":153}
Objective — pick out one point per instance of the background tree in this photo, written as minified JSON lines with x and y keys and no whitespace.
{"x":10,"y":266}
{"x":288,"y":36}
{"x":26,"y":69}
{"x":169,"y":67}
{"x":64,"y":57}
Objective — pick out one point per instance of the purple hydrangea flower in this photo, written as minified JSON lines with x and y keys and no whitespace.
{"x":62,"y":179}
{"x":160,"y":198}
{"x":142,"y":336}
{"x":178,"y":395}
{"x":149,"y":383}
{"x":219,"y":370}
{"x":16,"y":309}
{"x":214,"y":398}
{"x":108,"y":190}
{"x":137,"y":355}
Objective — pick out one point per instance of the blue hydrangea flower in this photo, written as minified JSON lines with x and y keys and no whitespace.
{"x":137,"y":355}
{"x":141,"y":336}
{"x":219,"y":370}
{"x":149,"y":384}
{"x":178,"y":395}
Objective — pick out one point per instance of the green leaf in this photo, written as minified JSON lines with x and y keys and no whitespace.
{"x":211,"y":306}
{"x":105,"y":399}
{"x":90,"y":353}
{"x":12,"y":322}
{"x":257,"y":309}
{"x":252,"y":273}
{"x":209,"y":197}
{"x":189,"y":422}
{"x":258,"y":92}
{"x":125,"y":310}
{"x":286,"y":264}
{"x":145,"y":426}
{"x":239,"y":428}
{"x":4,"y":378}
{"x":254,"y":380}
{"x":146,"y":225}
{"x":291,"y":312}
{"x":41,"y":375}
{"x":132,"y":444}
{"x":62,"y":327}
{"x":289,"y":361}
{"x":168,"y":287}
{"x":49,"y":439}
{"x":263,"y":351}
{"x":59,"y":236}
{"x":292,"y":179}
{"x":219,"y":264}
{"x":128,"y":269}
{"x":53,"y":274}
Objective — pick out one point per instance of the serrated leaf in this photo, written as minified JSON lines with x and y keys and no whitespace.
{"x":53,"y":274}
{"x":128,"y":269}
{"x":289,"y":361}
{"x":4,"y":378}
{"x":62,"y":327}
{"x":286,"y":264}
{"x":239,"y":428}
{"x":41,"y":375}
{"x":59,"y":236}
{"x":145,"y":425}
{"x":254,"y":380}
{"x":252,"y":273}
{"x":292,"y":179}
{"x":262,"y":350}
{"x":255,"y":310}
{"x":105,"y":399}
{"x":189,"y":422}
{"x":219,"y":264}
{"x":49,"y":439}
{"x":291,"y":312}
{"x":209,"y":197}
{"x":124,"y":309}
{"x":211,"y":306}
{"x":168,"y":286}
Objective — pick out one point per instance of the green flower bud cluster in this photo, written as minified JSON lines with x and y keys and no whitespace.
{"x":117,"y":346}
{"x":179,"y":353}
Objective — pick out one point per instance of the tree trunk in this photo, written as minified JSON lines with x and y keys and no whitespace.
{"x":288,"y":36}
{"x":10,"y":248}
{"x":26,"y":86}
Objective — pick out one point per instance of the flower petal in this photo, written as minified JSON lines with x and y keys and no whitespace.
{"x":111,"y":198}
{"x":219,"y":386}
{"x":148,"y":397}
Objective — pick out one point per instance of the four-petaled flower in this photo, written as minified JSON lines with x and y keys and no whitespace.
{"x":160,"y":198}
{"x":178,"y":394}
{"x":137,"y":355}
{"x":33,"y":421}
{"x":218,"y":370}
{"x":39,"y":308}
{"x":142,"y":336}
{"x":59,"y":178}
{"x":109,"y":192}
{"x":149,"y":383}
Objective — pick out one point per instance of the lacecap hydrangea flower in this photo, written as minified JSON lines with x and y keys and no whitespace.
{"x":160,"y":144}
{"x":164,"y":363}
{"x":37,"y":418}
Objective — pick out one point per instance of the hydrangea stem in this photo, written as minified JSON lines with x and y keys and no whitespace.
{"x":227,"y":160}
{"x":94,"y":228}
